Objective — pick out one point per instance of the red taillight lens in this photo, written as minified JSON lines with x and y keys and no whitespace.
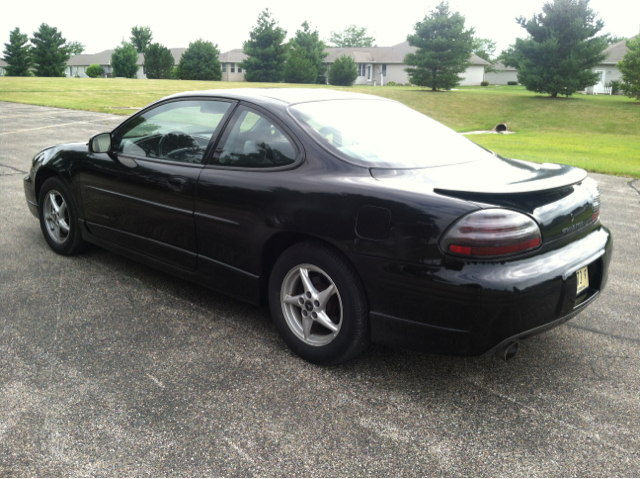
{"x":493,"y":232}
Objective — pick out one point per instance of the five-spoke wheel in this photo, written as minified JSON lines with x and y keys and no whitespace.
{"x":58,"y":217}
{"x":318,"y":304}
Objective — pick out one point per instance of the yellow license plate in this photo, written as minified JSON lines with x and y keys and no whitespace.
{"x":583,"y":279}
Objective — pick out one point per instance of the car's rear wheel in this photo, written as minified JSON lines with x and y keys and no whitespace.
{"x":58,"y":218}
{"x":318,"y":304}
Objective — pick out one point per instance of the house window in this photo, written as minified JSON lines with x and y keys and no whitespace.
{"x":233,"y":68}
{"x":369,"y":72}
{"x":384,"y":69}
{"x":239,"y":70}
{"x":224,"y":68}
{"x":362,"y":69}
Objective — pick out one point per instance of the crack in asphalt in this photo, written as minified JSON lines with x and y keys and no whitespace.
{"x":11,"y":168}
{"x":631,"y":184}
{"x":604,"y":333}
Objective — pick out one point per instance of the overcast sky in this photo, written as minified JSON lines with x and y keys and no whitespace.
{"x":102,"y":26}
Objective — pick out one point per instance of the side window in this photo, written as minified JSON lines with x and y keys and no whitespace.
{"x":177,"y":131}
{"x":254,"y":141}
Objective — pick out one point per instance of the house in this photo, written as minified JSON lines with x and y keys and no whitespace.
{"x":381,"y":65}
{"x":608,"y":69}
{"x":78,"y":64}
{"x":3,"y":65}
{"x":229,"y":60}
{"x":502,"y":75}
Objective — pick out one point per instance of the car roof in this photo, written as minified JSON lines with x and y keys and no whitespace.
{"x":288,"y":96}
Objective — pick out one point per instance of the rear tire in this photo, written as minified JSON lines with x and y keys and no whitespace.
{"x":319,"y":305}
{"x":58,"y":218}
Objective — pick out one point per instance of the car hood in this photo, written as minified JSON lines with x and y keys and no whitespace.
{"x":493,"y":176}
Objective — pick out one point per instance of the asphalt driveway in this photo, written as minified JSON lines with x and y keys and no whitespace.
{"x":110,"y":368}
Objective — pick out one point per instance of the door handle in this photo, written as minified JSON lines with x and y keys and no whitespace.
{"x":177,"y":183}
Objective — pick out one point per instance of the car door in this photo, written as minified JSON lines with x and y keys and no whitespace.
{"x":141,"y":196}
{"x":235,"y":192}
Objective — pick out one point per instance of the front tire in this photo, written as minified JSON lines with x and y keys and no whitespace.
{"x":319,"y":305}
{"x":58,"y":218}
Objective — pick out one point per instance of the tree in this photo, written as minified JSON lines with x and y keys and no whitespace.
{"x":158,"y":61}
{"x":124,"y":61}
{"x":266,"y":51}
{"x":444,"y":49}
{"x":630,"y":68}
{"x":558,"y":56}
{"x":141,"y":38}
{"x":17,"y":54}
{"x":343,"y":72}
{"x":352,"y":36}
{"x":299,"y":68}
{"x":49,"y":53}
{"x":611,"y":39}
{"x":485,"y":49}
{"x":309,"y":45}
{"x":94,"y":71}
{"x":75,"y":48}
{"x":200,"y":62}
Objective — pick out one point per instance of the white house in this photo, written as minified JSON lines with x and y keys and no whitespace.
{"x":3,"y":65}
{"x":78,"y":64}
{"x":502,"y":75}
{"x":380,"y":65}
{"x":608,"y":69}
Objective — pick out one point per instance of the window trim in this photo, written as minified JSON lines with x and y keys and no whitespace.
{"x":215,"y":136}
{"x":300,"y":153}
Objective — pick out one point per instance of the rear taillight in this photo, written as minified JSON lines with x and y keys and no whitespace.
{"x":492,"y":232}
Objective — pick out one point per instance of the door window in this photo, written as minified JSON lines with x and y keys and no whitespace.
{"x":255,"y":141}
{"x":178,"y":131}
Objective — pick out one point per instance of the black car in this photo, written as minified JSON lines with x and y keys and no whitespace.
{"x":356,"y":218}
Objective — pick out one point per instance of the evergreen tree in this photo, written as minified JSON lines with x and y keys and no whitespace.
{"x":352,"y":36}
{"x":141,"y":38}
{"x":266,"y":51}
{"x":158,"y":62}
{"x":309,"y":46}
{"x":558,"y":56}
{"x":630,"y":68}
{"x":200,"y":62}
{"x":343,"y":72}
{"x":444,"y":49}
{"x":50,"y":52}
{"x":17,"y":54}
{"x":299,"y":68}
{"x":124,"y":61}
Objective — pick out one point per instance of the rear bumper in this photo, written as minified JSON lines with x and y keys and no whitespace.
{"x":470,"y":308}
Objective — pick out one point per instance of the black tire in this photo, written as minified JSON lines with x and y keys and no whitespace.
{"x":59,"y":218}
{"x":336,"y":294}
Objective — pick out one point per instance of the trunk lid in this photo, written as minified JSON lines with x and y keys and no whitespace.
{"x":562,"y":199}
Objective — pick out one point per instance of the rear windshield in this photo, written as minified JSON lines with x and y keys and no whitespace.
{"x":384,"y":134}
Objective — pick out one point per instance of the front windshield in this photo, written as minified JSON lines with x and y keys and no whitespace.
{"x":384,"y":134}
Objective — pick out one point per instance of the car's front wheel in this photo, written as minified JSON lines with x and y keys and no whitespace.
{"x":58,"y":218}
{"x":318,"y":304}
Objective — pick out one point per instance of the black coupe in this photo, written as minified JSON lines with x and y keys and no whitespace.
{"x":356,"y":218}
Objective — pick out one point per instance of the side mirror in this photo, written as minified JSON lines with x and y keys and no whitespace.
{"x":100,"y":143}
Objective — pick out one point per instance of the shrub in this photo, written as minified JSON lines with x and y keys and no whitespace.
{"x":408,"y":84}
{"x":616,"y":86}
{"x":343,"y":72}
{"x":391,"y":83}
{"x":512,"y":82}
{"x":484,"y":83}
{"x":94,"y":71}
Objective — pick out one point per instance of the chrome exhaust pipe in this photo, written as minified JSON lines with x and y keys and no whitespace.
{"x":509,"y":351}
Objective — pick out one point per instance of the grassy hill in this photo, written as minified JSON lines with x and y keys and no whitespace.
{"x":598,"y":133}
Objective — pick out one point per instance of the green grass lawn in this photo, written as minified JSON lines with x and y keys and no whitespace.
{"x":598,"y":133}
